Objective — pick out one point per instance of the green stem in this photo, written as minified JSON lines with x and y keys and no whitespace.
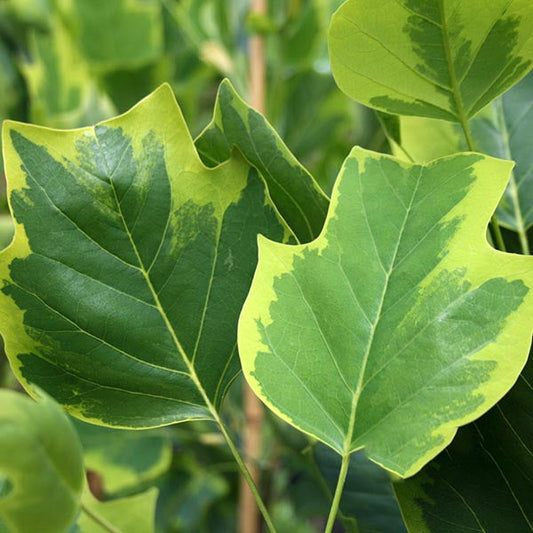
{"x":246,"y":474}
{"x":494,"y":226}
{"x":101,"y":521}
{"x":338,"y":493}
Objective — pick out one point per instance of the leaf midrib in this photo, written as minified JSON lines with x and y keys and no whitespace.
{"x":155,"y":295}
{"x":461,"y":116}
{"x":366,"y":356}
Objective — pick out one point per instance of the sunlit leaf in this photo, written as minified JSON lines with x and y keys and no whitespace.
{"x":129,"y":267}
{"x":399,"y":323}
{"x":443,"y":59}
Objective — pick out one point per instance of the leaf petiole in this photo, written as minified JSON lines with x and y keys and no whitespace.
{"x":246,"y":474}
{"x":338,"y":492}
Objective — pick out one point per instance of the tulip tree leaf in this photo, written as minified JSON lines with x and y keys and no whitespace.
{"x":118,"y":34}
{"x":399,"y":323}
{"x":41,"y":458}
{"x":484,"y":480}
{"x":124,"y":459}
{"x":135,"y":513}
{"x":293,"y":190}
{"x":63,"y":94}
{"x":442,"y":59}
{"x":129,"y":266}
{"x":503,"y":130}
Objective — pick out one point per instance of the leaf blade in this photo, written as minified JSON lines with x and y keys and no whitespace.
{"x":134,"y":224}
{"x":444,"y":60}
{"x":484,"y":477}
{"x":42,"y":458}
{"x":297,"y":196}
{"x":379,"y":268}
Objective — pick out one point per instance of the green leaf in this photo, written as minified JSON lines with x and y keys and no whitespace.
{"x":442,"y":59}
{"x":399,"y":323}
{"x":117,"y":34}
{"x":504,"y":130}
{"x":129,"y":266}
{"x":135,"y":513}
{"x":484,"y":480}
{"x":124,"y":459}
{"x":63,"y":94}
{"x":367,"y":497}
{"x":318,"y":123}
{"x":41,"y":457}
{"x":298,"y":198}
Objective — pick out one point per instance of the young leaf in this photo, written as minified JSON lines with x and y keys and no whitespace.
{"x":293,"y":190}
{"x":485,"y":478}
{"x":399,"y":323}
{"x":442,"y":59}
{"x":129,"y":266}
{"x":41,"y":458}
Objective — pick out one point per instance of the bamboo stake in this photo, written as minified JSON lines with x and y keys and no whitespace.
{"x":249,"y":518}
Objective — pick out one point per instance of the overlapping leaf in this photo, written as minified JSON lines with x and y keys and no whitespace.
{"x":484,"y":480}
{"x":293,"y":190}
{"x":135,"y":513}
{"x":41,"y":458}
{"x":63,"y":93}
{"x":129,"y":267}
{"x":504,"y":129}
{"x":399,"y":323}
{"x":113,"y":35}
{"x":125,"y":460}
{"x":442,"y":59}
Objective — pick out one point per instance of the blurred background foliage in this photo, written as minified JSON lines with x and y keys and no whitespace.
{"x":71,"y":63}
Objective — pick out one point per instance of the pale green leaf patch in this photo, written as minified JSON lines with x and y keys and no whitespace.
{"x":399,"y":323}
{"x":41,"y":465}
{"x":443,"y":59}
{"x":134,"y":513}
{"x":129,"y":266}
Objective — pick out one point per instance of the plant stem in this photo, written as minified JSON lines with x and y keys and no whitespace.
{"x":102,"y":522}
{"x":494,"y":226}
{"x":247,"y":476}
{"x":338,"y":493}
{"x":253,"y":409}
